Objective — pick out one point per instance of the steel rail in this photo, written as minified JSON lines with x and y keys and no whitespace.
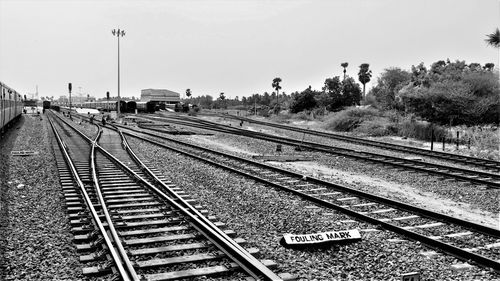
{"x":239,"y":255}
{"x":369,"y":156}
{"x":114,"y":233}
{"x":97,"y":221}
{"x":453,"y":250}
{"x":486,"y":163}
{"x":250,"y":264}
{"x":370,"y":196}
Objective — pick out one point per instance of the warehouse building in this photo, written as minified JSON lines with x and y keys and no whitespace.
{"x":160,"y":96}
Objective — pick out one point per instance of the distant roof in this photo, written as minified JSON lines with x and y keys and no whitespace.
{"x":163,"y":92}
{"x":159,"y":95}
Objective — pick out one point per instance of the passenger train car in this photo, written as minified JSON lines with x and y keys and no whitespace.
{"x":102,"y":105}
{"x":11,"y":106}
{"x":126,"y":106}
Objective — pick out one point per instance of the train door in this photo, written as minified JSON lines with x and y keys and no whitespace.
{"x":2,"y":105}
{"x":14,"y":106}
{"x":8,"y":110}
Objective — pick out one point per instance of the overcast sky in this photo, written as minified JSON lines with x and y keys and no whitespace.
{"x":235,"y":47}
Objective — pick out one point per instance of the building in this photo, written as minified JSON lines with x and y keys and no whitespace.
{"x":160,"y":96}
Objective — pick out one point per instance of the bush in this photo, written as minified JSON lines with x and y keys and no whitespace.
{"x":349,"y":119}
{"x":482,"y":138}
{"x":304,"y":115}
{"x":421,"y":130}
{"x":377,"y":127}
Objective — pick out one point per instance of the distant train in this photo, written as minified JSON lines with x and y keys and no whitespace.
{"x":46,"y":104}
{"x":11,"y":106}
{"x":126,"y":106}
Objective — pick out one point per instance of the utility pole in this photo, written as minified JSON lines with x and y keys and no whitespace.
{"x":69,"y":88}
{"x":255,"y":104}
{"x":107,"y":104}
{"x":118,"y":33}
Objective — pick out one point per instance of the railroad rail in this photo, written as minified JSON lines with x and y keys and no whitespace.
{"x":482,"y":163}
{"x":487,"y":179}
{"x":463,"y":239}
{"x":151,"y":229}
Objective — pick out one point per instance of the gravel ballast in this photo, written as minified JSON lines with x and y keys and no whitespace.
{"x":262,"y":215}
{"x":466,"y":195}
{"x":38,"y":243}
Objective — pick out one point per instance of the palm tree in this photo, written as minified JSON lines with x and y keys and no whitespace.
{"x":277,"y":87}
{"x":364,"y":75}
{"x":494,"y":40}
{"x":344,"y":65}
{"x":222,"y":98}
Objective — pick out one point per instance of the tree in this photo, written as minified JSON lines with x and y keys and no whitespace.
{"x":419,"y":75}
{"x":344,"y":65}
{"x":493,"y":39}
{"x":331,"y":97}
{"x":266,"y":99}
{"x":474,"y":66}
{"x":364,"y":75}
{"x":467,"y":102}
{"x":277,"y":87}
{"x":303,"y":101}
{"x":388,"y":85}
{"x":489,"y":66}
{"x":222,"y":98}
{"x":351,"y":92}
{"x":188,"y":93}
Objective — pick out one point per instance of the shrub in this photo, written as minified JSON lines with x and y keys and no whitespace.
{"x":420,"y":130}
{"x":377,"y":127}
{"x":304,"y":115}
{"x":482,"y":138}
{"x":349,"y":119}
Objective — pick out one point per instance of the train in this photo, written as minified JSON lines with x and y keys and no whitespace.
{"x":126,"y":106}
{"x":103,"y":105}
{"x":11,"y":106}
{"x":46,"y":104}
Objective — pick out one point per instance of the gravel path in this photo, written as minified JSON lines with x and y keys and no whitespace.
{"x":262,"y":215}
{"x":38,"y":239}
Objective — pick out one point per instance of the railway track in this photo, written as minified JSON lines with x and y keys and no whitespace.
{"x":465,"y":240}
{"x":133,"y":225}
{"x":482,"y":178}
{"x":485,"y":164}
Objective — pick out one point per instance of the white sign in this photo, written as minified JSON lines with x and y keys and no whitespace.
{"x":302,"y":239}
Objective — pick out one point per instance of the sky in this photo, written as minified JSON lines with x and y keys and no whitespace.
{"x":236,"y":47}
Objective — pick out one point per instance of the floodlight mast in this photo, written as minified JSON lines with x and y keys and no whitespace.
{"x":118,"y":33}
